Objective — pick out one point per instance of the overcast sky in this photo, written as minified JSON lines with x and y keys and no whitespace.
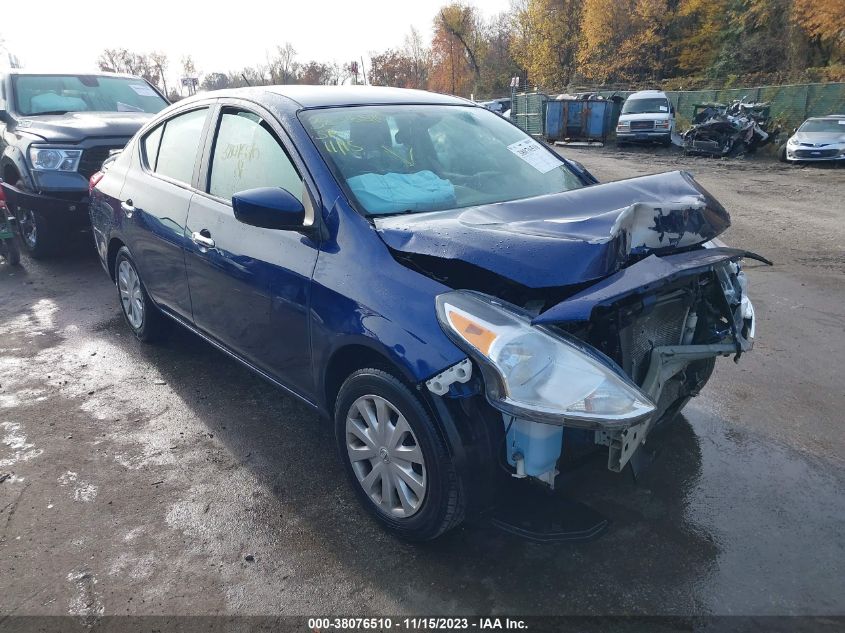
{"x":220,"y":35}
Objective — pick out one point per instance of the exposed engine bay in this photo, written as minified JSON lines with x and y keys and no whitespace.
{"x":646,"y":292}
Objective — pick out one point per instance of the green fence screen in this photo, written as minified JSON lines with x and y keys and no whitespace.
{"x":790,"y":105}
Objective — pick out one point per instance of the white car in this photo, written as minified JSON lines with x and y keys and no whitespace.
{"x":818,"y":139}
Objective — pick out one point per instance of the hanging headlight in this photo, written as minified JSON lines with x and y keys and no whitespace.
{"x":533,"y":374}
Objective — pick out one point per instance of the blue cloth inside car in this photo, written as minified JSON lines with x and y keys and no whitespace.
{"x":392,"y":192}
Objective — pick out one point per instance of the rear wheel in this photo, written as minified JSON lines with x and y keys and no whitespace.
{"x":147,"y":322}
{"x":395,"y":458}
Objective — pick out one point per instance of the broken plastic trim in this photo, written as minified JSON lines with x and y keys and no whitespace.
{"x":460,"y":372}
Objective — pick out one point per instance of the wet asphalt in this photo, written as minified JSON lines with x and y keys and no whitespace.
{"x":169,"y":480}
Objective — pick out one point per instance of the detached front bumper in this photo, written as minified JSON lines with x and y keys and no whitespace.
{"x":70,"y":207}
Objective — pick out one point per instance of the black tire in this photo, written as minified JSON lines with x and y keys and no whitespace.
{"x":39,"y":235}
{"x":442,"y":506}
{"x":153,"y":324}
{"x":11,"y":252}
{"x":782,"y":153}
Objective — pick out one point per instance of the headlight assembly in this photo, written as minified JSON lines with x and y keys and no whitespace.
{"x":54,"y":159}
{"x":534,"y":374}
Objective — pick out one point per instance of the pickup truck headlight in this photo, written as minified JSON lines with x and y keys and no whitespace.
{"x":53,"y":159}
{"x":533,"y":374}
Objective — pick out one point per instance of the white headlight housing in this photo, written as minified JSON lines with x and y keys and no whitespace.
{"x":534,"y":374}
{"x":54,"y":159}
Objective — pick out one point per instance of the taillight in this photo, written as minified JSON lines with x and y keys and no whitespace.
{"x":96,"y":177}
{"x":2,"y":198}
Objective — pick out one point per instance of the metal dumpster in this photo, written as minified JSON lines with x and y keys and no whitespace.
{"x":579,"y":119}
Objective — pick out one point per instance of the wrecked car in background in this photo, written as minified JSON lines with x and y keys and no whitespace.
{"x":818,"y":139}
{"x":728,"y":130}
{"x":464,"y":304}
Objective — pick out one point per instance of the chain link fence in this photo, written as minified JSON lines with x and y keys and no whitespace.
{"x":790,"y":104}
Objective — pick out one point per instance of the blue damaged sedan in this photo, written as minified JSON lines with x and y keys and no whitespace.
{"x":465,"y":305}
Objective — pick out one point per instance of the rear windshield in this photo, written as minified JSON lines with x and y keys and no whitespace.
{"x":59,"y":94}
{"x":643,"y":106}
{"x":417,"y":158}
{"x":837,"y":126}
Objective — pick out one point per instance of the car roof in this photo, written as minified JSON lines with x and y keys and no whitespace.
{"x":645,"y":94}
{"x":327,"y":96}
{"x":826,"y":117}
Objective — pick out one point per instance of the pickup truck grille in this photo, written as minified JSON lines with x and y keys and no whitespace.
{"x":93,"y":157}
{"x":642,"y":125}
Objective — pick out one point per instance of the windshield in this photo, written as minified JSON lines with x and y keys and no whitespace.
{"x":413,"y":158}
{"x":836,"y":126}
{"x":57,"y":94}
{"x":643,"y":106}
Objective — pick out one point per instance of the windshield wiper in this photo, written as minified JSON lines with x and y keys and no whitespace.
{"x":49,"y":112}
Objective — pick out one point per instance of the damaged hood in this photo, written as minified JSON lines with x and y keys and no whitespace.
{"x":567,"y":238}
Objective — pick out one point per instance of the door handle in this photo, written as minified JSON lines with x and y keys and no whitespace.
{"x":127,"y":207}
{"x":203,"y":241}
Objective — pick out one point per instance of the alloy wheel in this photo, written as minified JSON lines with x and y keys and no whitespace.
{"x":131,"y":295}
{"x":386,"y":457}
{"x":27,"y":227}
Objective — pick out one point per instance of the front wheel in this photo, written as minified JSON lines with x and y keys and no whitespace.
{"x":395,"y":458}
{"x":38,"y":234}
{"x":147,"y":322}
{"x":11,"y":251}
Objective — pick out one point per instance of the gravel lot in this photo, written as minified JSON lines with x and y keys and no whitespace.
{"x":169,"y":480}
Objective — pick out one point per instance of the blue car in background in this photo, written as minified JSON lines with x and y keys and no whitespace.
{"x":464,"y":304}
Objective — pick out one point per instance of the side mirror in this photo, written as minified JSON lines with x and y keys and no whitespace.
{"x":269,"y":208}
{"x":4,"y":114}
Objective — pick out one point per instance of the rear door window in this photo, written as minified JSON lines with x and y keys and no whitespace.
{"x":247,"y":155}
{"x":179,"y":145}
{"x":151,"y":144}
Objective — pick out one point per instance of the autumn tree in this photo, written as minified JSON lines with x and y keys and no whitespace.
{"x":318,"y":73}
{"x":150,"y":66}
{"x":282,"y":65}
{"x":392,"y":68}
{"x":215,"y":81}
{"x":455,"y":50}
{"x":625,"y":40}
{"x":419,"y":57}
{"x":700,"y":24}
{"x":546,"y":35}
{"x":498,"y":65}
{"x":159,"y":62}
{"x":824,"y":23}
